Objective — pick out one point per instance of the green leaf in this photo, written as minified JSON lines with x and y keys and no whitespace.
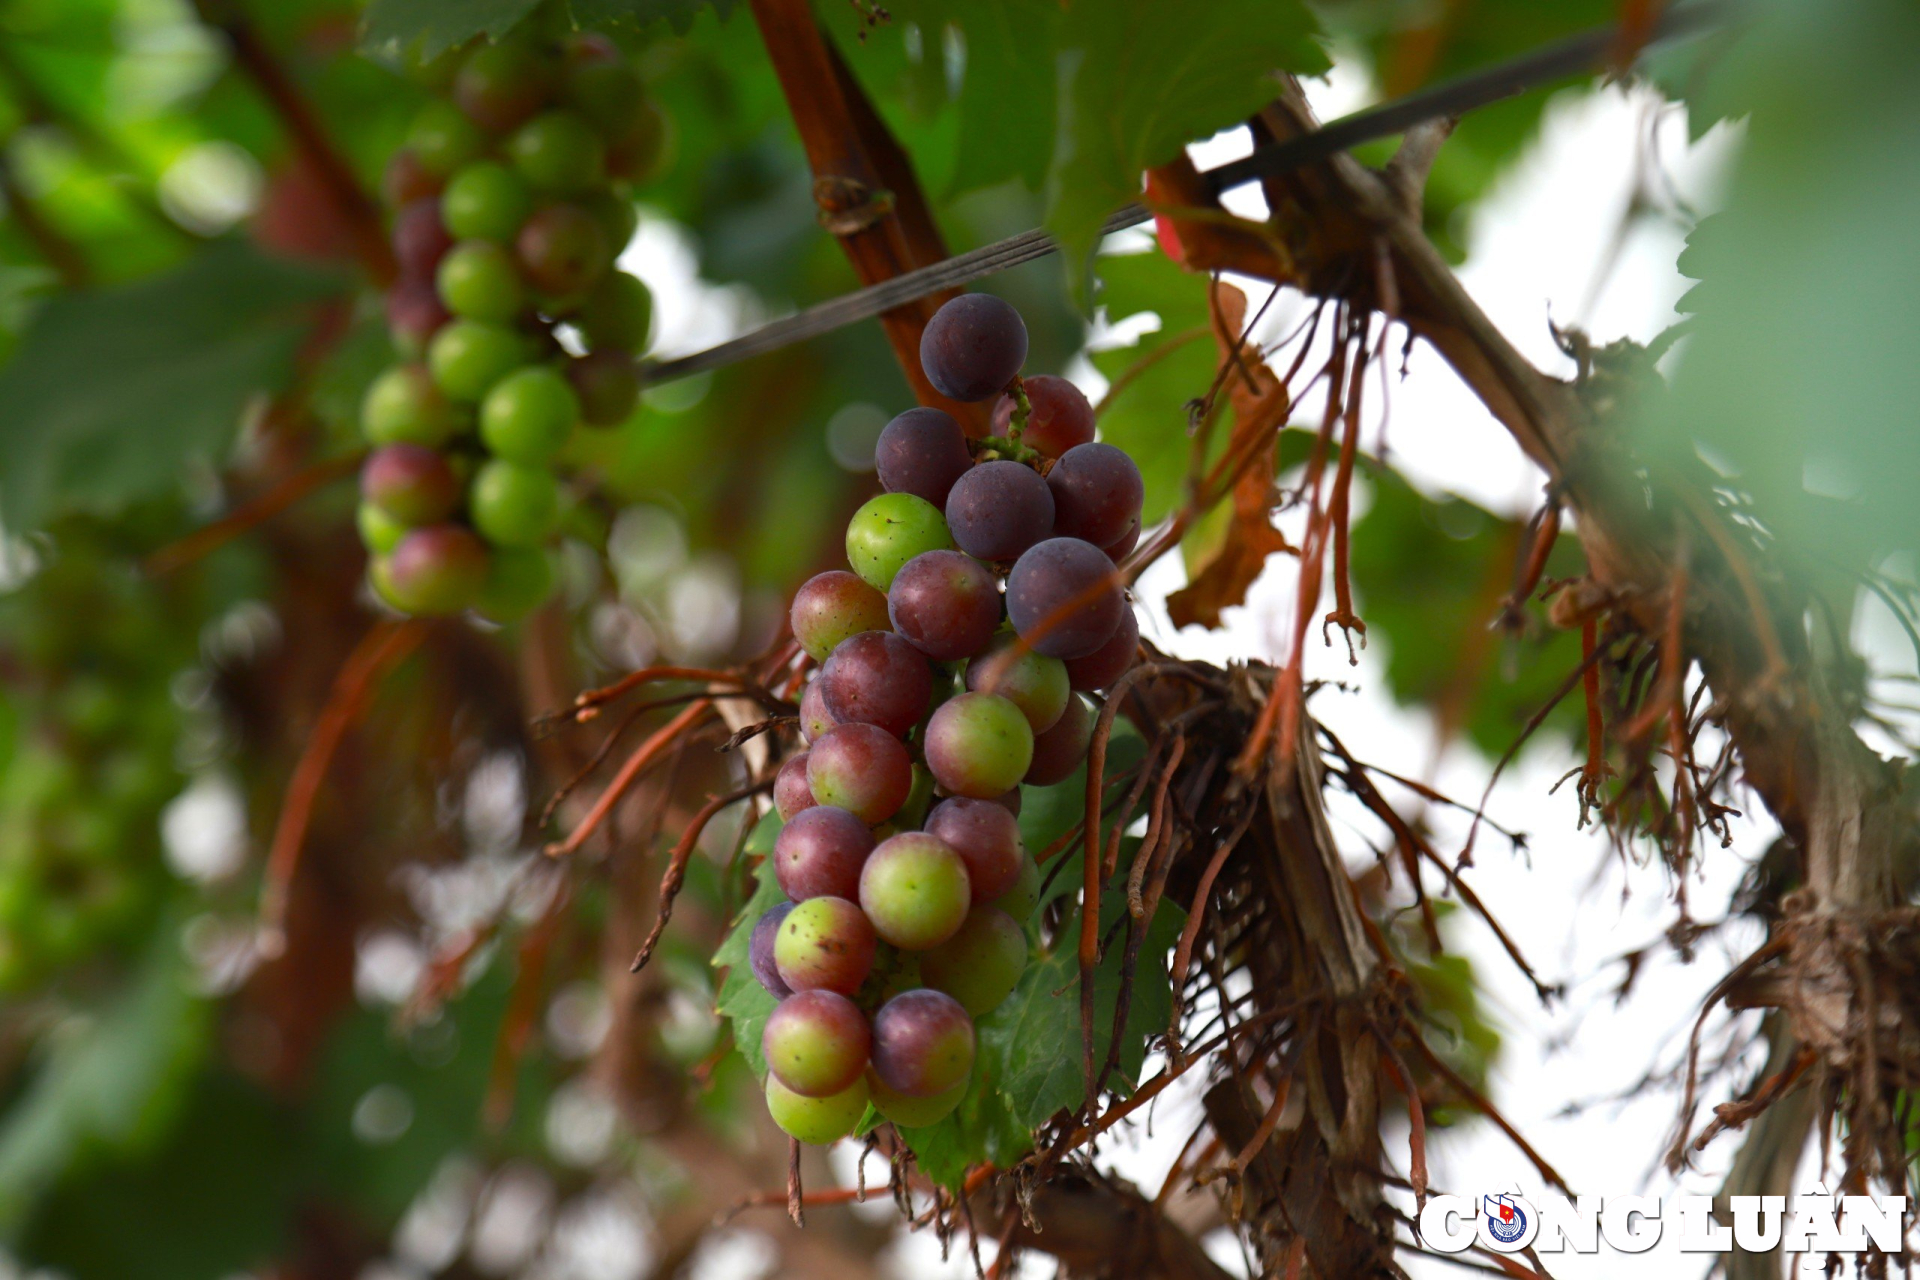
{"x":1139,"y":79}
{"x":113,"y":392}
{"x":742,"y":999}
{"x":438,"y":25}
{"x":640,"y":14}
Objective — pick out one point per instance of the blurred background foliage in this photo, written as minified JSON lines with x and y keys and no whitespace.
{"x":183,"y":326}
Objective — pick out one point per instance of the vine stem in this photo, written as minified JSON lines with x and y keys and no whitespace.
{"x":636,"y":764}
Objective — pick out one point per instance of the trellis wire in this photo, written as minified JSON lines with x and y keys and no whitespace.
{"x":1482,"y":88}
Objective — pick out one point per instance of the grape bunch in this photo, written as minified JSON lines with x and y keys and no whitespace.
{"x":512,"y":202}
{"x":982,"y":608}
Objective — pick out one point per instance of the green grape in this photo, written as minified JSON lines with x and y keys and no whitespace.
{"x":485,"y":201}
{"x":403,"y":406}
{"x":512,"y":505}
{"x":380,"y":533}
{"x":909,"y":1112}
{"x":558,"y":152}
{"x":890,"y":530}
{"x":468,"y":356}
{"x":442,"y":139}
{"x":519,"y":581}
{"x":529,"y":414}
{"x":980,"y":965}
{"x":617,"y":314}
{"x":616,"y":213}
{"x":478,"y":281}
{"x":502,"y":85}
{"x":1024,"y":896}
{"x":605,"y":91}
{"x":819,"y":1121}
{"x":914,"y":889}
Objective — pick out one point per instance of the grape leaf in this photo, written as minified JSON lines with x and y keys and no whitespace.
{"x":114,"y":391}
{"x":639,"y":14}
{"x":438,"y":25}
{"x":1139,"y":79}
{"x":742,"y":999}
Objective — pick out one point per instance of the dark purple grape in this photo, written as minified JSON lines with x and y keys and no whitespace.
{"x":1097,"y":493}
{"x":986,"y":837}
{"x":1059,"y":751}
{"x":860,"y":768}
{"x":815,"y":719}
{"x":825,"y":944}
{"x":420,"y":240}
{"x":922,"y":1043}
{"x":760,"y":950}
{"x":820,"y":852}
{"x":1117,"y":551}
{"x":1059,"y":415}
{"x":999,"y":509}
{"x":973,"y":346}
{"x":790,"y":791}
{"x":944,"y":603}
{"x":1065,"y":598}
{"x":563,"y":250}
{"x":877,"y":678}
{"x":922,"y":452}
{"x":831,"y":606}
{"x":1110,"y":661}
{"x":817,"y":1042}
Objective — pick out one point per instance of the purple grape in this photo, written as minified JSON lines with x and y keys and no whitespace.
{"x":973,"y":347}
{"x":833,"y":605}
{"x":1059,"y":416}
{"x":791,"y":794}
{"x":945,"y":603}
{"x":420,"y":240}
{"x":760,"y":950}
{"x":922,"y":452}
{"x":1031,"y":681}
{"x":815,"y":719}
{"x":415,"y":312}
{"x":999,"y":509}
{"x":825,"y":944}
{"x":1097,"y":493}
{"x":1059,"y":751}
{"x":860,"y":768}
{"x":440,"y":569}
{"x":820,"y":853}
{"x":817,"y":1042}
{"x":563,"y":250}
{"x":986,"y":837}
{"x":1065,"y":598}
{"x":979,"y":745}
{"x":1118,"y":551}
{"x":877,"y":678}
{"x":922,"y":1043}
{"x":1111,"y":660}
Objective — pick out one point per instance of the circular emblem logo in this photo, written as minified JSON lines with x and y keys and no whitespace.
{"x":1506,"y":1222}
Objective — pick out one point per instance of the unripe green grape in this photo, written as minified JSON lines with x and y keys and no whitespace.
{"x":512,"y":505}
{"x":914,"y":888}
{"x":605,"y":91}
{"x":519,"y":581}
{"x":617,"y":314}
{"x":478,"y":281}
{"x":819,"y":1121}
{"x":979,"y":745}
{"x":486,"y":201}
{"x":528,"y":415}
{"x":442,"y":139}
{"x":558,"y":152}
{"x":1035,"y":683}
{"x":890,"y":530}
{"x":608,"y":385}
{"x":908,"y":1112}
{"x":1020,"y":900}
{"x":403,"y":406}
{"x":468,"y":356}
{"x":616,"y":213}
{"x":980,"y":965}
{"x":379,"y":532}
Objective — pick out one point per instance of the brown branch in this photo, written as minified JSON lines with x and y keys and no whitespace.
{"x":251,"y":514}
{"x":636,"y":764}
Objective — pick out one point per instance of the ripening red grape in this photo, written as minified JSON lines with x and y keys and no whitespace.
{"x":406,"y":179}
{"x":420,"y":239}
{"x":922,"y":452}
{"x":500,"y":86}
{"x":945,"y":604}
{"x":1024,"y":896}
{"x":979,"y":745}
{"x":825,"y":944}
{"x":861,"y":768}
{"x":819,"y":854}
{"x":815,"y":719}
{"x":986,"y":837}
{"x":1031,"y":681}
{"x":980,"y":965}
{"x":640,"y":149}
{"x":1058,"y":419}
{"x":922,"y":1043}
{"x":816,"y":1042}
{"x":877,"y":678}
{"x":760,"y":950}
{"x":905,"y":1111}
{"x":973,"y":346}
{"x":890,"y":530}
{"x":999,"y":509}
{"x":1064,"y":598}
{"x":607,"y":384}
{"x":829,"y":607}
{"x":819,"y":1121}
{"x":914,"y":888}
{"x":1097,"y":493}
{"x":563,"y":250}
{"x":790,"y":791}
{"x":439,"y":569}
{"x":1111,"y":660}
{"x":414,"y":314}
{"x":411,"y":483}
{"x":1059,"y":751}
{"x":403,"y":406}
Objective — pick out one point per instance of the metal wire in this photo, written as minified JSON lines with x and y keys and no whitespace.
{"x":1552,"y":62}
